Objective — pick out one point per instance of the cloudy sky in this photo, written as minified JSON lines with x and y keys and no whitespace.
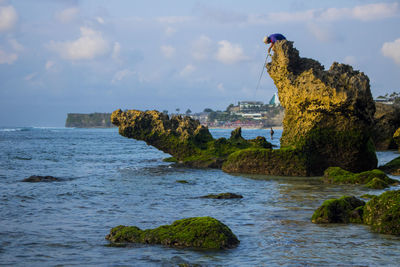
{"x":61,"y":56}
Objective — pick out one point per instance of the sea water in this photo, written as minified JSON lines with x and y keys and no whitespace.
{"x":108,"y":180}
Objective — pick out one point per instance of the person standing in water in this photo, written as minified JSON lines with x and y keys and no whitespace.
{"x":272,"y":133}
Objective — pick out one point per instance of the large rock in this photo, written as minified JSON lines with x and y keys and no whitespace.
{"x":392,"y":167}
{"x":184,"y":138}
{"x":197,"y":232}
{"x":328,"y":114}
{"x":382,"y":212}
{"x":387,"y":121}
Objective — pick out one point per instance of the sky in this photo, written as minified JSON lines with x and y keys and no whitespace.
{"x":84,"y":56}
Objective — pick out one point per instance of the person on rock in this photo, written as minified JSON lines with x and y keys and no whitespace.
{"x":272,"y":39}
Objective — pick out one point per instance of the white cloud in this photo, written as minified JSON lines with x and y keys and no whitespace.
{"x":100,"y":20}
{"x":202,"y":48}
{"x":174,"y":19}
{"x":16,"y":45}
{"x":90,"y":45}
{"x":8,"y":18}
{"x":7,"y":58}
{"x":230,"y":53}
{"x":322,"y":34}
{"x":351,"y":60}
{"x":367,"y":12}
{"x":29,"y":77}
{"x":122,"y":74}
{"x":188,"y":69}
{"x":392,"y":50}
{"x":116,"y":52}
{"x":221,"y":87}
{"x":168,"y":51}
{"x":49,"y":64}
{"x":68,"y":15}
{"x":169,"y":31}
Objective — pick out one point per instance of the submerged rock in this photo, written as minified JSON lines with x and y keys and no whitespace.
{"x":197,"y":232}
{"x":223,"y":196}
{"x":189,"y":142}
{"x":343,"y":210}
{"x":387,"y":121}
{"x":374,"y":179}
{"x":392,"y":167}
{"x":382,"y":213}
{"x":328,"y":114}
{"x":37,"y":179}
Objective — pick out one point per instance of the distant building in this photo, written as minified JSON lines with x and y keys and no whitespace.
{"x":384,"y":100}
{"x":246,"y":105}
{"x":275,"y":100}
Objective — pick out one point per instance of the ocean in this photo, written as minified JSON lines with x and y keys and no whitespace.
{"x":108,"y":180}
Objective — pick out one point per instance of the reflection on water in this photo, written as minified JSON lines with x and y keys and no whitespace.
{"x":111,"y":180}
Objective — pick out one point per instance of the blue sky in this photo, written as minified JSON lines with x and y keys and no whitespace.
{"x":89,"y":56}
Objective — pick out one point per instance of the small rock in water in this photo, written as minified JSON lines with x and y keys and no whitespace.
{"x":37,"y":179}
{"x":223,"y":196}
{"x":182,"y":181}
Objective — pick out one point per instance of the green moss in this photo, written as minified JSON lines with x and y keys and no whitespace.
{"x":392,"y":167}
{"x":285,"y":161}
{"x":376,"y":183}
{"x":352,"y":150}
{"x":375,"y":179}
{"x":343,"y":210}
{"x":197,"y":232}
{"x":382,"y":213}
{"x":170,"y":159}
{"x":367,"y":196}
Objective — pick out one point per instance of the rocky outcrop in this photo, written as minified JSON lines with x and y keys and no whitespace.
{"x":343,"y":210}
{"x":185,"y":139}
{"x":387,"y":121}
{"x":375,"y":179}
{"x":328,"y":114}
{"x":197,"y":232}
{"x":91,"y":120}
{"x":382,"y":212}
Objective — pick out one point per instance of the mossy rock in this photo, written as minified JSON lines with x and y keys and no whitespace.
{"x":382,"y":213}
{"x":392,"y":167}
{"x":182,"y":181}
{"x":375,"y":179}
{"x":196,"y":232}
{"x":343,"y":210}
{"x":283,"y":162}
{"x":223,"y":196}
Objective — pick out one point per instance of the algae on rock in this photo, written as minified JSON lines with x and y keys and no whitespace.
{"x":196,"y":232}
{"x":189,"y":142}
{"x":374,"y":179}
{"x":328,"y":114}
{"x":381,"y":213}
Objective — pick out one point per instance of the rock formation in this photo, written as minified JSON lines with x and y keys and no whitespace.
{"x":392,"y":167}
{"x":182,"y":137}
{"x":328,"y":122}
{"x":387,"y":121}
{"x":375,"y":179}
{"x":197,"y":232}
{"x":382,"y":212}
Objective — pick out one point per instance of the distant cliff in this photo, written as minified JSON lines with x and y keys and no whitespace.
{"x":92,"y":120}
